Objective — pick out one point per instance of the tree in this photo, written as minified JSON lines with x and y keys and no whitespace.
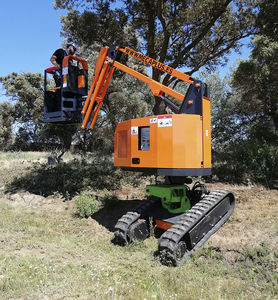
{"x":182,"y":34}
{"x":224,"y":129}
{"x":6,"y":124}
{"x":247,"y":148}
{"x":26,"y":90}
{"x":256,"y":79}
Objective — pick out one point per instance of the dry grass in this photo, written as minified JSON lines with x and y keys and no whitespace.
{"x":254,"y":220}
{"x":48,"y":253}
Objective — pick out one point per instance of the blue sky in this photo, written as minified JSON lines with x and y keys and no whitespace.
{"x":30,"y":33}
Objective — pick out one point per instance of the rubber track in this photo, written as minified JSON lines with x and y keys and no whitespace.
{"x":124,"y":223}
{"x":169,"y":240}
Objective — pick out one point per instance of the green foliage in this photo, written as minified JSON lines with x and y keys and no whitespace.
{"x":6,"y":123}
{"x":267,"y":19}
{"x":86,"y":205}
{"x":244,"y":161}
{"x":244,"y":115}
{"x":243,"y":146}
{"x":103,"y":27}
{"x":70,"y":178}
{"x":64,"y":132}
{"x":256,"y":82}
{"x":181,"y":34}
{"x":224,"y":130}
{"x":26,"y":91}
{"x":256,"y":79}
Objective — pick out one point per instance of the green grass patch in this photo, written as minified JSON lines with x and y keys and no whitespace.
{"x":55,"y":255}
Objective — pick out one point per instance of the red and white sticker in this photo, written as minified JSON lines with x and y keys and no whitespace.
{"x":153,"y":120}
{"x":164,"y":121}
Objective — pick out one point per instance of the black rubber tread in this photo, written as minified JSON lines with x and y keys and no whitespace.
{"x":121,"y":235}
{"x":170,"y":240}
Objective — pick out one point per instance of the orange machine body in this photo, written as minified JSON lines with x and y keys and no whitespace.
{"x":168,"y":145}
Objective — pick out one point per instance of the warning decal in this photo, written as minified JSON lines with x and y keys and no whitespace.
{"x":164,"y":121}
{"x":153,"y":120}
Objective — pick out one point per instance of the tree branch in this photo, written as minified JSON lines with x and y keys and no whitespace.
{"x":218,"y":12}
{"x":164,"y":48}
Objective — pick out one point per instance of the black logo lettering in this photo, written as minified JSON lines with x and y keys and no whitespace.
{"x":169,"y":70}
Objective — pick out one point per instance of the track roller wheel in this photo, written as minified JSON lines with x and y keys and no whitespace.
{"x":174,"y":257}
{"x":132,"y":226}
{"x":139,"y":231}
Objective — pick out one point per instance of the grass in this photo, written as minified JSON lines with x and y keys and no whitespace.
{"x":46,"y":252}
{"x":68,"y":178}
{"x":61,"y":256}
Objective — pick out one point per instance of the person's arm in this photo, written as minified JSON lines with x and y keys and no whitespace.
{"x":54,"y":62}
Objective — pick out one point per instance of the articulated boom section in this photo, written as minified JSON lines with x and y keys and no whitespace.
{"x":107,"y":62}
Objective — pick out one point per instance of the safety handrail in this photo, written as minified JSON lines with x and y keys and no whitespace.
{"x":68,"y":57}
{"x":54,"y":89}
{"x":51,"y":70}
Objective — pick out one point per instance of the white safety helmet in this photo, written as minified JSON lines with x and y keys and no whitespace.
{"x":73,"y":45}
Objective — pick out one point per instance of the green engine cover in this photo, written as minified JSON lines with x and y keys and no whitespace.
{"x":173,"y":197}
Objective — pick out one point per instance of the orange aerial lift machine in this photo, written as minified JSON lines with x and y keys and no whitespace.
{"x":176,"y":146}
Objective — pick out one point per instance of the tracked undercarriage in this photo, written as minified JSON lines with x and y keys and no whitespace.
{"x":183,"y":232}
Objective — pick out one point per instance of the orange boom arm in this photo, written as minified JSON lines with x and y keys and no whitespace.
{"x":104,"y":69}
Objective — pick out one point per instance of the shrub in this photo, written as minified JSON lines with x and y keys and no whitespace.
{"x":247,"y":160}
{"x":86,"y":205}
